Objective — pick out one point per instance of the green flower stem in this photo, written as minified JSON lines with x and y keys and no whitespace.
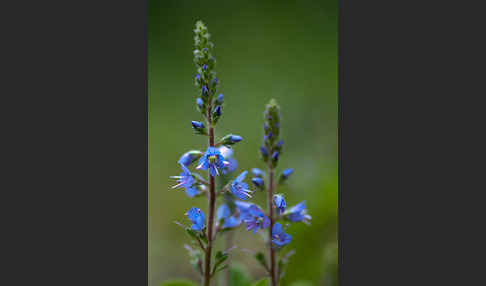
{"x":211,"y":202}
{"x":273,"y":278}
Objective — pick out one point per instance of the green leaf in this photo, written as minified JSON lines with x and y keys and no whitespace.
{"x":202,"y":236}
{"x":220,"y":258}
{"x":239,"y":275}
{"x":178,"y":283}
{"x":260,"y":257}
{"x":261,"y":282}
{"x":221,"y":268}
{"x":191,"y":233}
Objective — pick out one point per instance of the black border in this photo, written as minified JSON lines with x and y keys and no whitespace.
{"x":75,"y":111}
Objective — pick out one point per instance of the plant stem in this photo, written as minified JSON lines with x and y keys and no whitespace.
{"x":270,"y":211}
{"x":211,"y":202}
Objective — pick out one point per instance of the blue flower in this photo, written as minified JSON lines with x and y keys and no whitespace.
{"x":196,"y":216}
{"x":299,"y":213}
{"x":240,"y":188}
{"x":279,"y":237}
{"x":204,"y":67}
{"x":279,"y":202}
{"x":257,"y":181}
{"x":212,"y":160}
{"x":254,"y":219}
{"x":186,"y":180}
{"x":257,"y":172}
{"x":224,"y":213}
{"x":198,"y":77}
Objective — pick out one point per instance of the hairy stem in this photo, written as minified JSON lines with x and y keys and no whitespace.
{"x":273,"y":278}
{"x":211,"y":202}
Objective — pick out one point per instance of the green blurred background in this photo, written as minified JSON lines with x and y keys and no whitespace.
{"x":285,"y":50}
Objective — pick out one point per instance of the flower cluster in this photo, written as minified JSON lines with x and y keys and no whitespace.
{"x":206,"y":81}
{"x":218,"y":161}
{"x":270,"y":152}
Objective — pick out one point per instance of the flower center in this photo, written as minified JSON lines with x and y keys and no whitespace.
{"x":212,"y":159}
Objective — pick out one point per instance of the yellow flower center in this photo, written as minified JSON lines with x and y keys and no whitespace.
{"x":212,"y":159}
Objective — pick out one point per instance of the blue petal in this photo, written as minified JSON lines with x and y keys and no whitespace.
{"x":223,"y":212}
{"x":197,"y":227}
{"x":298,"y":208}
{"x":277,"y":229}
{"x":186,"y":171}
{"x":213,"y":170}
{"x":185,"y":159}
{"x":191,"y":192}
{"x":279,"y":202}
{"x":241,"y":177}
{"x":231,"y":222}
{"x":255,"y":211}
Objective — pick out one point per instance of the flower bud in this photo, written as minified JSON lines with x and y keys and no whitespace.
{"x":279,"y":202}
{"x":286,"y":174}
{"x":200,"y":105}
{"x":272,"y":123}
{"x":217,"y":110}
{"x":198,"y":127}
{"x":204,"y":91}
{"x":219,"y":100}
{"x":230,"y":139}
{"x":279,"y":146}
{"x":214,"y":82}
{"x":264,"y":153}
{"x":257,"y":172}
{"x":216,"y":114}
{"x":189,"y":157}
{"x":258,"y":182}
{"x":274,"y":158}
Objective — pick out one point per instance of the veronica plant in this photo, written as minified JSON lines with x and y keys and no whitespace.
{"x":217,"y":161}
{"x":277,"y":211}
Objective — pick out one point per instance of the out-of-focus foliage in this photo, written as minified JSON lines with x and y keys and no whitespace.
{"x":285,"y":50}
